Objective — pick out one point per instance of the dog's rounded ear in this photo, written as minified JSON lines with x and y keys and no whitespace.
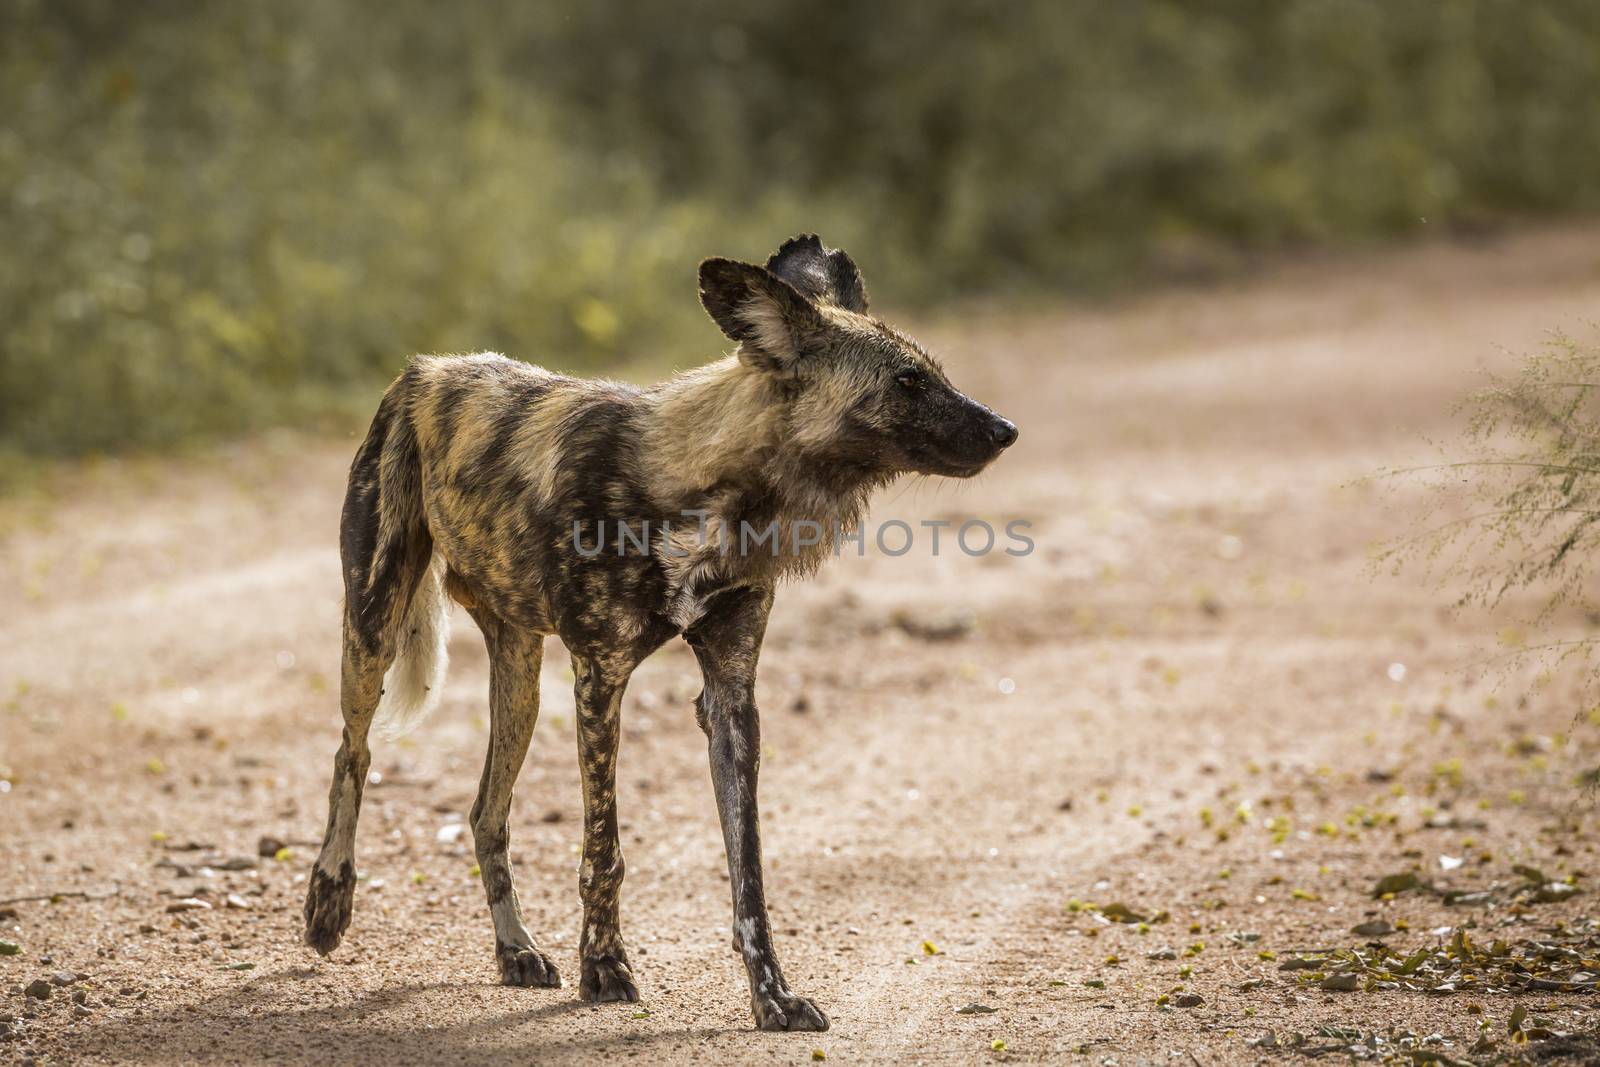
{"x":820,"y":273}
{"x":769,"y":318}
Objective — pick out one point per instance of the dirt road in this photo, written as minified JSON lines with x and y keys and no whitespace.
{"x":1194,"y":698}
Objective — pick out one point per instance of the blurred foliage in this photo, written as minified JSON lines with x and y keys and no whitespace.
{"x":218,"y":216}
{"x":1530,"y":466}
{"x":1514,"y":506}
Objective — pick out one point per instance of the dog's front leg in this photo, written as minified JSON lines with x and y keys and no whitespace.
{"x":606,"y":974}
{"x":727,"y":642}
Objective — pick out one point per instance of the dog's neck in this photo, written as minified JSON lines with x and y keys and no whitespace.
{"x":720,"y":436}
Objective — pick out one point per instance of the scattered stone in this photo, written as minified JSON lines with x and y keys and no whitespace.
{"x":81,"y":996}
{"x":234,"y":863}
{"x":800,"y":705}
{"x":64,"y":978}
{"x":1554,"y":892}
{"x":948,"y":626}
{"x":7,"y":912}
{"x":269,"y":847}
{"x":234,"y":900}
{"x":977,"y":1009}
{"x":188,"y":904}
{"x":1380,"y":928}
{"x":1469,"y":897}
{"x":551,"y":816}
{"x":1188,"y":1000}
{"x":80,"y":1012}
{"x":1342,"y":983}
{"x":1121,"y":913}
{"x":38,"y":989}
{"x":1397,"y":883}
{"x":188,"y":846}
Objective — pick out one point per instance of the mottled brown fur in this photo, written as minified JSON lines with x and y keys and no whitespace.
{"x":499,"y":472}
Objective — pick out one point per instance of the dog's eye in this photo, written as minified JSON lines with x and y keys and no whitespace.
{"x":909,"y":379}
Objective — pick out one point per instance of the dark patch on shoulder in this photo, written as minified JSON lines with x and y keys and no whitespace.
{"x":522,"y":397}
{"x":448,"y":394}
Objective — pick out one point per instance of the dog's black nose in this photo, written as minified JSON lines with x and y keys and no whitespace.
{"x":1004,"y":432}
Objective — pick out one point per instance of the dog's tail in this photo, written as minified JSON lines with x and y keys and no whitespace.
{"x":394,"y":580}
{"x":414,"y":681}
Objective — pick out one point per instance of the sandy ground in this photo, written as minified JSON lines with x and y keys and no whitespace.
{"x":1186,"y":700}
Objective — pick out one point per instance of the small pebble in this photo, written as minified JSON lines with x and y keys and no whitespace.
{"x":189,"y":904}
{"x":38,"y":989}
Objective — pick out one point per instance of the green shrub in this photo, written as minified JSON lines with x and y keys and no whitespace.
{"x":220,"y":216}
{"x":1514,"y":507}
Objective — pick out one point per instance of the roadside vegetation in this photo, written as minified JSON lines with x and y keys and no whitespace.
{"x":1514,"y":517}
{"x":222,"y":217}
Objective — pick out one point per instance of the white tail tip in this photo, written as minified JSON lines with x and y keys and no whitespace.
{"x":415,"y":680}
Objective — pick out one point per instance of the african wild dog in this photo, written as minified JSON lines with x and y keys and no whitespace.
{"x":479,"y":480}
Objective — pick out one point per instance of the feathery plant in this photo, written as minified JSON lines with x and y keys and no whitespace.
{"x":1519,"y":514}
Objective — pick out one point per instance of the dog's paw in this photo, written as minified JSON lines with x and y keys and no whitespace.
{"x":607,"y":978}
{"x":328,"y":903}
{"x":524,"y":965}
{"x":785,"y":1011}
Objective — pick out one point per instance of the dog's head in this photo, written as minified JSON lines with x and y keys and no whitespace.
{"x":861,"y":393}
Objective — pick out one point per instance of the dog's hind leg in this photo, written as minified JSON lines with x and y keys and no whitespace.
{"x":515,"y":656}
{"x":599,"y":687}
{"x":384,"y":548}
{"x":333,"y":877}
